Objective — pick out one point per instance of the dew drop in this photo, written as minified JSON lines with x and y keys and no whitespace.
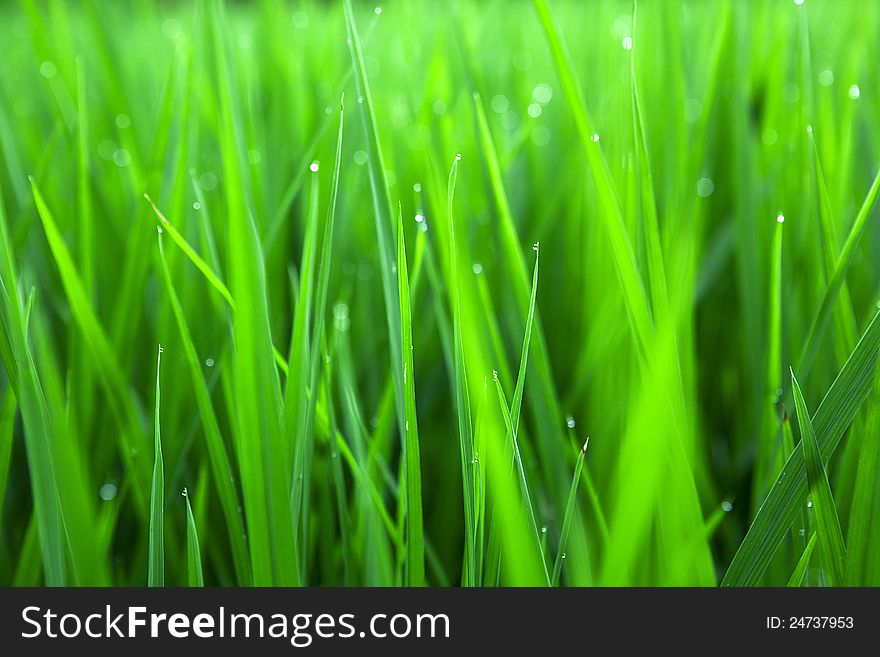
{"x":197,"y":206}
{"x":534,"y":110}
{"x":417,"y":188}
{"x":536,"y":246}
{"x":798,"y":2}
{"x":705,"y":187}
{"x":477,"y":268}
{"x":209,"y":362}
{"x":595,"y":137}
{"x":826,"y":77}
{"x":314,"y":166}
{"x":780,"y":218}
{"x":360,"y":157}
{"x":569,"y":422}
{"x":854,"y":92}
{"x":183,"y":493}
{"x":378,"y":10}
{"x":726,"y":506}
{"x":458,"y":157}
{"x":108,"y":492}
{"x":159,"y":229}
{"x":809,"y":504}
{"x":627,"y":43}
{"x":544,"y":529}
{"x":420,"y":218}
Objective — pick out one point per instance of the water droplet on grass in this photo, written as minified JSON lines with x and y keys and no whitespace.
{"x":477,"y":268}
{"x":780,"y":218}
{"x":534,"y":110}
{"x":826,"y":77}
{"x":595,"y":137}
{"x":314,"y":166}
{"x":569,"y":422}
{"x":209,"y":362}
{"x":705,"y":187}
{"x":627,"y":43}
{"x":726,"y":506}
{"x":197,"y":206}
{"x":855,"y":92}
{"x":108,"y":492}
{"x":360,"y":157}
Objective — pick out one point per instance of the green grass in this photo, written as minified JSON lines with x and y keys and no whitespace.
{"x":365,"y":380}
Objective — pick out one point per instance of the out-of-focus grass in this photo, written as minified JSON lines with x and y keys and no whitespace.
{"x":343,"y":319}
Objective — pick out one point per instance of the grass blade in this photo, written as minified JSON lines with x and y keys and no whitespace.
{"x":835,"y":282}
{"x":797,"y":577}
{"x":831,"y":545}
{"x":156,"y":552}
{"x":570,"y":509}
{"x":193,"y":553}
{"x":415,"y":540}
{"x":783,"y":502}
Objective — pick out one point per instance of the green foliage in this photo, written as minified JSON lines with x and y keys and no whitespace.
{"x":343,"y":321}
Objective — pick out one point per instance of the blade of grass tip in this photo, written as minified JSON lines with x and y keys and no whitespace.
{"x":570,"y":507}
{"x":785,"y":499}
{"x":800,"y":569}
{"x":217,"y":454}
{"x":415,"y":540}
{"x":769,"y":439}
{"x":516,"y":405}
{"x":521,"y":475}
{"x":190,"y":253}
{"x":193,"y":554}
{"x":835,"y":282}
{"x":156,"y":556}
{"x":831,"y":546}
{"x":865,"y":496}
{"x":462,"y":401}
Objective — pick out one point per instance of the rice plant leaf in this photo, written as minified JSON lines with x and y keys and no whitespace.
{"x":785,"y":499}
{"x":570,"y":510}
{"x":156,"y":550}
{"x":836,"y":281}
{"x":831,"y":544}
{"x":221,"y":469}
{"x":797,"y":577}
{"x":415,"y":540}
{"x":193,"y":552}
{"x":861,"y":548}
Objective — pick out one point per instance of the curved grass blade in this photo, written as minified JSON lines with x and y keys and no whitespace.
{"x":193,"y":554}
{"x":831,"y":545}
{"x":194,"y":257}
{"x":156,"y":550}
{"x":111,"y":377}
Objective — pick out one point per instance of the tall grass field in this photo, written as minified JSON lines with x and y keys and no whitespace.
{"x":466,"y":293}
